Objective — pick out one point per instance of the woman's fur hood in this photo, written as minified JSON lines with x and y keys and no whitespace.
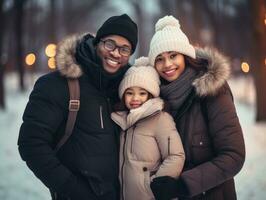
{"x":218,"y":69}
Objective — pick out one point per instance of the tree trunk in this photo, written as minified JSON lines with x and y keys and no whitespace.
{"x":214,"y":19}
{"x":258,"y":11}
{"x":167,"y":7}
{"x":197,"y":19}
{"x":2,"y":88}
{"x":18,"y":33}
{"x":2,"y":28}
{"x":142,"y":43}
{"x":51,"y":29}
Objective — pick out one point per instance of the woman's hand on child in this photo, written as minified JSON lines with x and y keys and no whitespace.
{"x":166,"y":188}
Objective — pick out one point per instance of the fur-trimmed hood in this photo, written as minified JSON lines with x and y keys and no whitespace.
{"x":65,"y":56}
{"x":149,"y":108}
{"x":218,"y":71}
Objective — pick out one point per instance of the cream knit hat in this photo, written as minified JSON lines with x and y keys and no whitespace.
{"x":169,"y":37}
{"x":141,"y":74}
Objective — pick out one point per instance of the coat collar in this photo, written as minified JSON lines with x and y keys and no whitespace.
{"x":76,"y":56}
{"x":126,"y":120}
{"x":218,"y":71}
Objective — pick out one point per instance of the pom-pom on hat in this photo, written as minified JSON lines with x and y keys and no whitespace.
{"x":143,"y":75}
{"x":169,"y":37}
{"x":121,"y":25}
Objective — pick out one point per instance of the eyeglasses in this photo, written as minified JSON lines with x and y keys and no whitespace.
{"x":110,"y":45}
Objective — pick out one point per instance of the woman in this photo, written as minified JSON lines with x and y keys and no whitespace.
{"x":194,"y":84}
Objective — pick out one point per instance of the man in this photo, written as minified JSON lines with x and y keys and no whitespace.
{"x":86,"y":166}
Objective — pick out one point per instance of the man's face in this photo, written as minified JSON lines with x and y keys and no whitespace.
{"x":116,"y":58}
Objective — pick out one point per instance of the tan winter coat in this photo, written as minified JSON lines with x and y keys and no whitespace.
{"x":150,"y":147}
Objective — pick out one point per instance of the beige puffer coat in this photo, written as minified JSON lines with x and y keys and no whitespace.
{"x":150,"y":146}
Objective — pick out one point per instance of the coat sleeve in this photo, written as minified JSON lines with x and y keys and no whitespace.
{"x":227,"y":143}
{"x":170,"y":146}
{"x":41,"y":119}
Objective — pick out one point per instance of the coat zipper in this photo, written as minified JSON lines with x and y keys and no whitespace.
{"x":131,"y":149}
{"x":122,"y":167}
{"x":168,"y":145}
{"x":109,"y":107}
{"x":187,"y":144}
{"x":101,"y":117}
{"x":124,"y":153}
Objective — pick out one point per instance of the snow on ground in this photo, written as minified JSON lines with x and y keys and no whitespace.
{"x":17,"y":182}
{"x":251,"y":181}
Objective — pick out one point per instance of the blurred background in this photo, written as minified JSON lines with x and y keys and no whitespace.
{"x":31,"y":29}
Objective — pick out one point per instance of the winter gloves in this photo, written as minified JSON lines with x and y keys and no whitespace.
{"x":166,"y":188}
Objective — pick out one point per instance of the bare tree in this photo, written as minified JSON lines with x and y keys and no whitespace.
{"x":75,"y":12}
{"x":197,"y":16}
{"x":2,"y":27}
{"x":142,"y":43}
{"x":168,"y":7}
{"x":214,"y":18}
{"x":258,"y":10}
{"x":52,"y":28}
{"x":19,"y":14}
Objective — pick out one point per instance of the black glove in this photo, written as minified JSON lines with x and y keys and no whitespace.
{"x":166,"y":188}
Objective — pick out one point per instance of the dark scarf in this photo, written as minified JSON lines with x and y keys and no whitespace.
{"x":91,"y":64}
{"x":177,"y":91}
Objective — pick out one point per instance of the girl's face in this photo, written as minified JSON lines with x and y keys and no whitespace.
{"x":135,"y":97}
{"x":170,"y":65}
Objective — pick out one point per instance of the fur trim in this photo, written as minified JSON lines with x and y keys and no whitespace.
{"x":218,"y":71}
{"x":65,"y":57}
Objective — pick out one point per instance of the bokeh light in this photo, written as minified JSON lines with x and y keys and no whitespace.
{"x":51,"y":63}
{"x":50,"y":50}
{"x":245,"y":67}
{"x":30,"y":59}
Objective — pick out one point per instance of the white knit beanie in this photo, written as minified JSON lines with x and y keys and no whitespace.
{"x":143,"y":75}
{"x":169,"y":37}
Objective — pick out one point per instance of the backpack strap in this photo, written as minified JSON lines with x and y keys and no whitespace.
{"x":73,"y":107}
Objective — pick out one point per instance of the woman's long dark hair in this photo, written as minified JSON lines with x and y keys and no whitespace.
{"x":197,"y":64}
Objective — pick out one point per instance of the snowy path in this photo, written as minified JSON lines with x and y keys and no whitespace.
{"x":17,"y":182}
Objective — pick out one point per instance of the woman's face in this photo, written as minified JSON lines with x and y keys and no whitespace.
{"x":170,"y":65}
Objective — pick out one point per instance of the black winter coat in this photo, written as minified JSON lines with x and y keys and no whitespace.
{"x":86,"y":167}
{"x":211,"y":134}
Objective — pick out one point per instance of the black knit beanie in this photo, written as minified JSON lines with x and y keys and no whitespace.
{"x":121,"y":25}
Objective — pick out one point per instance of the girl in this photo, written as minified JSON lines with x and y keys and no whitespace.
{"x":194,"y":84}
{"x":150,"y":145}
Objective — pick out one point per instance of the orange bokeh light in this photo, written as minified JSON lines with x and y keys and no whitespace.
{"x":50,"y":50}
{"x":245,"y":67}
{"x":30,"y":59}
{"x":51,"y":63}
